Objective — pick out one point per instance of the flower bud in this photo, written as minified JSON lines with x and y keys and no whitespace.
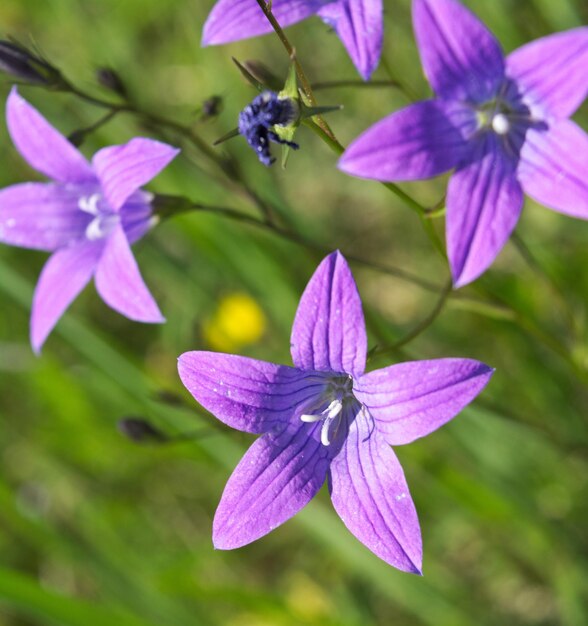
{"x":20,"y":63}
{"x":110,"y":80}
{"x":139,"y":430}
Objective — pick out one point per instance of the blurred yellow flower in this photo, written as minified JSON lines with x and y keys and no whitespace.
{"x":238,"y":321}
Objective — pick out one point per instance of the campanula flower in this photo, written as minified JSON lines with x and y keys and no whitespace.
{"x":88,"y":217}
{"x":325,"y":418}
{"x":502,"y":123}
{"x":359,"y":24}
{"x":258,"y":119}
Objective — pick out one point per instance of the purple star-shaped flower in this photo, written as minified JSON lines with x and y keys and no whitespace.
{"x":359,"y":24}
{"x":326,"y":418}
{"x":87,"y":217}
{"x":502,"y":123}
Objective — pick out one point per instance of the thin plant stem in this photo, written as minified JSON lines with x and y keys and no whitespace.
{"x":420,"y":328}
{"x":306,"y":86}
{"x":229,"y":168}
{"x":532,"y":261}
{"x":357,"y":84}
{"x":299,"y":239}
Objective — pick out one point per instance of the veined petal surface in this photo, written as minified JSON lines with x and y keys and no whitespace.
{"x":411,"y":400}
{"x":65,"y":274}
{"x":246,"y":394}
{"x":552,"y":73}
{"x":484,"y":202}
{"x":553,"y":169}
{"x":370,"y":494}
{"x":277,"y":477}
{"x":42,"y":146}
{"x":123,"y":169}
{"x":120,"y":284}
{"x":360,"y":26}
{"x":41,"y":216}
{"x":461,"y":58}
{"x":329,"y":328}
{"x":420,"y":141}
{"x":232,"y":20}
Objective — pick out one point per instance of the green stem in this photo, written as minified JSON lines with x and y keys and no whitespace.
{"x":420,"y":328}
{"x":535,"y":266}
{"x":306,"y":86}
{"x":229,"y":168}
{"x":358,"y":84}
{"x":170,"y":206}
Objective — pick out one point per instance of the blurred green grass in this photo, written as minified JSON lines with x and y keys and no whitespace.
{"x":99,"y":531}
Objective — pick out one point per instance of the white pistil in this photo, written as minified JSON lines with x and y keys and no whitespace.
{"x":327,"y":416}
{"x":500,"y":124}
{"x":325,"y":432}
{"x":101,"y":226}
{"x":89,"y":204}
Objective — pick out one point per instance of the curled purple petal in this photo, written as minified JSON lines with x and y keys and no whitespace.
{"x":65,"y":274}
{"x":420,"y":141}
{"x":554,"y":168}
{"x":551,"y":72}
{"x":329,"y":328}
{"x":120,"y":284}
{"x":360,"y":26}
{"x":123,"y":169}
{"x":276,"y":478}
{"x":42,"y":216}
{"x":232,"y":20}
{"x":462,"y":59}
{"x":246,"y":394}
{"x":484,"y":202}
{"x":42,"y":146}
{"x":370,"y":494}
{"x":411,"y":400}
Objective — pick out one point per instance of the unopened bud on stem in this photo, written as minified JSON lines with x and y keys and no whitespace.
{"x":20,"y":63}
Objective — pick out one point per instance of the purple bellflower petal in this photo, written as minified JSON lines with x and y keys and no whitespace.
{"x":554,"y":168}
{"x":461,"y":57}
{"x":42,"y":146}
{"x":123,"y":169}
{"x":315,"y":425}
{"x":360,"y":26}
{"x":484,"y":202}
{"x":65,"y":274}
{"x":370,"y":494}
{"x":419,"y":141}
{"x":329,"y":328}
{"x":41,"y":216}
{"x":358,"y":23}
{"x":411,"y":400}
{"x":246,"y":394}
{"x":277,"y":477}
{"x":120,"y":284}
{"x":232,"y":20}
{"x":552,"y":72}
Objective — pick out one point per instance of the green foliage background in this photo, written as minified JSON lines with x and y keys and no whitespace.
{"x":97,"y":531}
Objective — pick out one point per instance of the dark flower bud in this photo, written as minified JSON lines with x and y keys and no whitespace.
{"x":139,"y":430}
{"x":17,"y":61}
{"x":258,"y":119}
{"x":211,"y":107}
{"x":110,"y":80}
{"x":77,"y":137}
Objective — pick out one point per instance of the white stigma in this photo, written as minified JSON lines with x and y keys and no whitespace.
{"x":89,"y":204}
{"x":500,"y":124}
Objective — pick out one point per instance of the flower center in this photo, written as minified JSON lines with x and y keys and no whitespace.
{"x":104,"y":220}
{"x":329,"y":406}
